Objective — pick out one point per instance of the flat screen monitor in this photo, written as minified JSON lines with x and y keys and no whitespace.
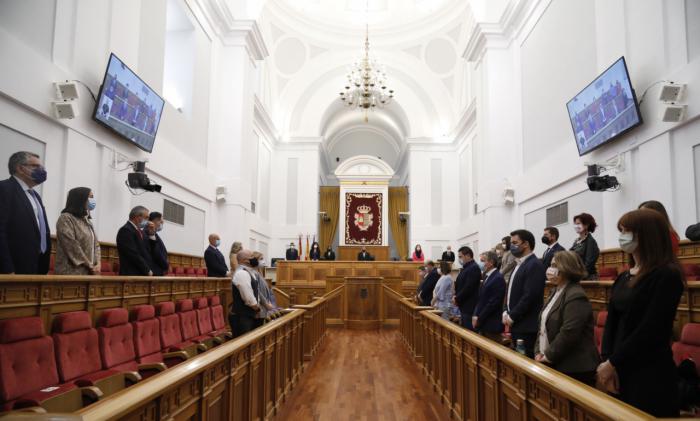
{"x":128,"y":106}
{"x":605,"y":109}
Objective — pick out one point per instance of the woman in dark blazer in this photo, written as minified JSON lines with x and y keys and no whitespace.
{"x":315,"y":253}
{"x":565,"y":339}
{"x":638,"y":362}
{"x":585,"y":245}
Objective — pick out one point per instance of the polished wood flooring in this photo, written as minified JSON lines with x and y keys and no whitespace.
{"x":362,"y":375}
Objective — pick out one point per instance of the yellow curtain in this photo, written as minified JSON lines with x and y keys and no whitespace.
{"x":330,"y":203}
{"x":398,"y":202}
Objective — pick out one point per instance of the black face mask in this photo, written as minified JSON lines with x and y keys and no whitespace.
{"x":545,"y":240}
{"x":254,"y":262}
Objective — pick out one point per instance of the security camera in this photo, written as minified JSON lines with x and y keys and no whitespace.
{"x":324,"y":216}
{"x":597,"y":182}
{"x":403,"y":216}
{"x":139,"y":180}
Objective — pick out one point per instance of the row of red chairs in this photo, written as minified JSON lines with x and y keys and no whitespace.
{"x":109,"y":268}
{"x":79,"y":364}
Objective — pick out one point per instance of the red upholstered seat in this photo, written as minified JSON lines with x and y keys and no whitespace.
{"x":204,"y":321}
{"x":117,"y":340}
{"x":106,"y":268}
{"x":691,"y":271}
{"x":599,"y":328}
{"x":607,"y":273}
{"x":205,"y":271}
{"x":188,"y":323}
{"x":190,"y":272}
{"x":179,"y":271}
{"x":689,"y":345}
{"x":77,"y":349}
{"x":28,"y":375}
{"x":147,"y":338}
{"x":217,"y":317}
{"x":170,"y":333}
{"x":199,"y":272}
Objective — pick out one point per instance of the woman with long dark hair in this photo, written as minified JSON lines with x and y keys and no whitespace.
{"x":659,"y":207}
{"x":315,"y":253}
{"x":585,"y":245}
{"x":77,"y":248}
{"x":418,"y":255}
{"x":638,"y":362}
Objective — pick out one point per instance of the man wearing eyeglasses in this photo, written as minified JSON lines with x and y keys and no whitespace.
{"x":25,"y":237}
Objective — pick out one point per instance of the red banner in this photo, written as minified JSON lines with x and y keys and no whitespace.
{"x":363,"y":218}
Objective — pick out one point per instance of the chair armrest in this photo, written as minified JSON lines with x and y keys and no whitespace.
{"x":228,"y":335}
{"x":202,"y":347}
{"x":132,"y":376}
{"x":217,"y":340}
{"x":92,"y":392}
{"x":18,"y":412}
{"x":181,"y":355}
{"x":152,"y":366}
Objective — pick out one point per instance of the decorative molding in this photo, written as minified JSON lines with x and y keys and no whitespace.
{"x":364,"y":168}
{"x":263,"y":120}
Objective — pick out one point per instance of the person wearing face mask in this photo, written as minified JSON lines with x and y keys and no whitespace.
{"x":444,"y":291}
{"x":25,"y":237}
{"x":418,"y":255}
{"x":427,"y":287}
{"x":638,"y":361}
{"x":315,"y":253}
{"x":585,"y":245}
{"x":448,"y":255}
{"x":525,"y":291}
{"x":265,"y":295}
{"x":77,"y":248}
{"x":214,"y":259}
{"x":467,"y":286}
{"x":487,"y":313}
{"x":565,"y":337}
{"x":550,"y":238}
{"x":245,"y":294}
{"x":507,"y":260}
{"x":329,"y":254}
{"x":134,"y":258}
{"x":155,"y":245}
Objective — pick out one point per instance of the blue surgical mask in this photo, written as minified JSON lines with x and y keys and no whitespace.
{"x":218,"y":243}
{"x":516,"y":250}
{"x":92,"y":203}
{"x":160,"y":228}
{"x":39,"y":175}
{"x":482,"y":265}
{"x":627,"y":242}
{"x":143,"y":223}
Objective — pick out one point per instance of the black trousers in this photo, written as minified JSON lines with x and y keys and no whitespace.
{"x":240,"y":324}
{"x":529,"y":339}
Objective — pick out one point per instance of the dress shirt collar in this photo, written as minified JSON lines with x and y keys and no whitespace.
{"x":520,"y":260}
{"x":21,"y":182}
{"x":551,"y":246}
{"x":134,"y":225}
{"x":490,"y":272}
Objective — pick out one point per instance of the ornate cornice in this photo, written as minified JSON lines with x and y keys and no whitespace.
{"x":262,"y":119}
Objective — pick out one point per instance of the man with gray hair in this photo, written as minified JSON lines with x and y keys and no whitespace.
{"x":487,"y":313}
{"x":25,"y":237}
{"x":244,"y":288}
{"x":134,"y":258}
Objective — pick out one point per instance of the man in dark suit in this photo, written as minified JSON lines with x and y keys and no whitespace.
{"x":155,"y":246}
{"x":432,"y":277}
{"x":364,"y":255}
{"x":525,"y":292}
{"x":693,"y":232}
{"x":134,"y":258}
{"x":467,"y":286}
{"x":292,"y":252}
{"x":448,"y":255}
{"x":25,"y":237}
{"x":551,"y":239}
{"x":329,"y":254}
{"x":487,"y":313}
{"x":215,"y":260}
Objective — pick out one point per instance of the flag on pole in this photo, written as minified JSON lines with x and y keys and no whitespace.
{"x":300,"y":249}
{"x":307,"y":247}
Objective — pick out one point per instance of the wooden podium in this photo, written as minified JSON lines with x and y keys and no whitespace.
{"x":349,"y":253}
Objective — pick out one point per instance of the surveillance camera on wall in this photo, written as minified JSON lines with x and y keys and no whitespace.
{"x":139,"y":180}
{"x":403,"y":216}
{"x":324,"y":216}
{"x":597,"y":182}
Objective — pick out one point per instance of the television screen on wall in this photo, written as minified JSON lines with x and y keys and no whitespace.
{"x":605,"y":109}
{"x":128,"y":106}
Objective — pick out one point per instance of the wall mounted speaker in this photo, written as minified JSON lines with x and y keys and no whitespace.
{"x":65,"y":109}
{"x":674,"y":113}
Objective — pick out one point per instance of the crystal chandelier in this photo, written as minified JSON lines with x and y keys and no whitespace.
{"x":366,"y":87}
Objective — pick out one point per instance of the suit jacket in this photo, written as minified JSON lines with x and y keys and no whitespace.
{"x":216,"y":263}
{"x":589,"y":252}
{"x":448,"y":256}
{"x":20,"y":241}
{"x":292,"y":254}
{"x":364,"y":256}
{"x":134,"y":257}
{"x":329,"y":255}
{"x":159,"y":254}
{"x":569,"y":327}
{"x":428,"y":286}
{"x":549,"y":255}
{"x":490,"y":303}
{"x":526,"y":296}
{"x":467,"y":288}
{"x":693,"y":232}
{"x":77,"y":248}
{"x":315,"y":254}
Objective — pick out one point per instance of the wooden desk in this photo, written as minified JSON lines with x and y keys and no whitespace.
{"x":380,"y":253}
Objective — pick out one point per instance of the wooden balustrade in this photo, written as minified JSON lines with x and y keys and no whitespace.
{"x":48,"y":295}
{"x":409,"y":322}
{"x":315,"y":321}
{"x":283,"y":299}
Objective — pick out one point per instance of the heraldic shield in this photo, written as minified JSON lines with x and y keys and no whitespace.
{"x":363,"y":218}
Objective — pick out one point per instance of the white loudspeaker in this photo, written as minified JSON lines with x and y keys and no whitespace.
{"x":221,"y":193}
{"x":508,"y":196}
{"x":65,"y":109}
{"x":672,"y":92}
{"x":66,"y":90}
{"x":674,"y":113}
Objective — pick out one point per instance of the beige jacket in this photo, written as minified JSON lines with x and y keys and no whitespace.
{"x":77,"y":248}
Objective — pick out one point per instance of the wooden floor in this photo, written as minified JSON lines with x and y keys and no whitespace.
{"x":362,"y":375}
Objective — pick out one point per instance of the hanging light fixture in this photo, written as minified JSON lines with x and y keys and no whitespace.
{"x":366,"y":86}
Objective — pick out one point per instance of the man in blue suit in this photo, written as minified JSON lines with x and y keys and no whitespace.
{"x":428,"y":285}
{"x":134,"y":256}
{"x":551,"y":239}
{"x":525,"y":291}
{"x":216,"y":263}
{"x":154,"y":244}
{"x":467,"y":286}
{"x":487,"y":314}
{"x":25,"y":237}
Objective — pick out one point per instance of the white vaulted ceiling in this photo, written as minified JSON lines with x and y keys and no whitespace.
{"x":313,"y":42}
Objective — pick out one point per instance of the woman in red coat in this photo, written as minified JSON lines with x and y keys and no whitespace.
{"x":418,"y":255}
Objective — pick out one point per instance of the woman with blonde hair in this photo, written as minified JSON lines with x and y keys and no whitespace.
{"x":235,"y":248}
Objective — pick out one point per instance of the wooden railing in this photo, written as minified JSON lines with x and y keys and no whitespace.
{"x":283,"y":299}
{"x":315,"y":321}
{"x":478,"y":379}
{"x":48,"y":295}
{"x":409,"y":322}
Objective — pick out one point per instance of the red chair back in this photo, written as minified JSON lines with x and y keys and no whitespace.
{"x":106,"y":268}
{"x":116,"y":339}
{"x":76,"y":345}
{"x":689,"y":345}
{"x":188,"y":319}
{"x":599,"y":328}
{"x":607,"y":273}
{"x":146,"y":334}
{"x":217,"y":312}
{"x":203,"y":315}
{"x":170,"y":333}
{"x":190,"y":272}
{"x":179,"y":271}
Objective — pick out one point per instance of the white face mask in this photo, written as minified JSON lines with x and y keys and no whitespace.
{"x":552,"y":273}
{"x":578,"y":228}
{"x":627,"y":242}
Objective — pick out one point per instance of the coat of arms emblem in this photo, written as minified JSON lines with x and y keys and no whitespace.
{"x":363,"y":218}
